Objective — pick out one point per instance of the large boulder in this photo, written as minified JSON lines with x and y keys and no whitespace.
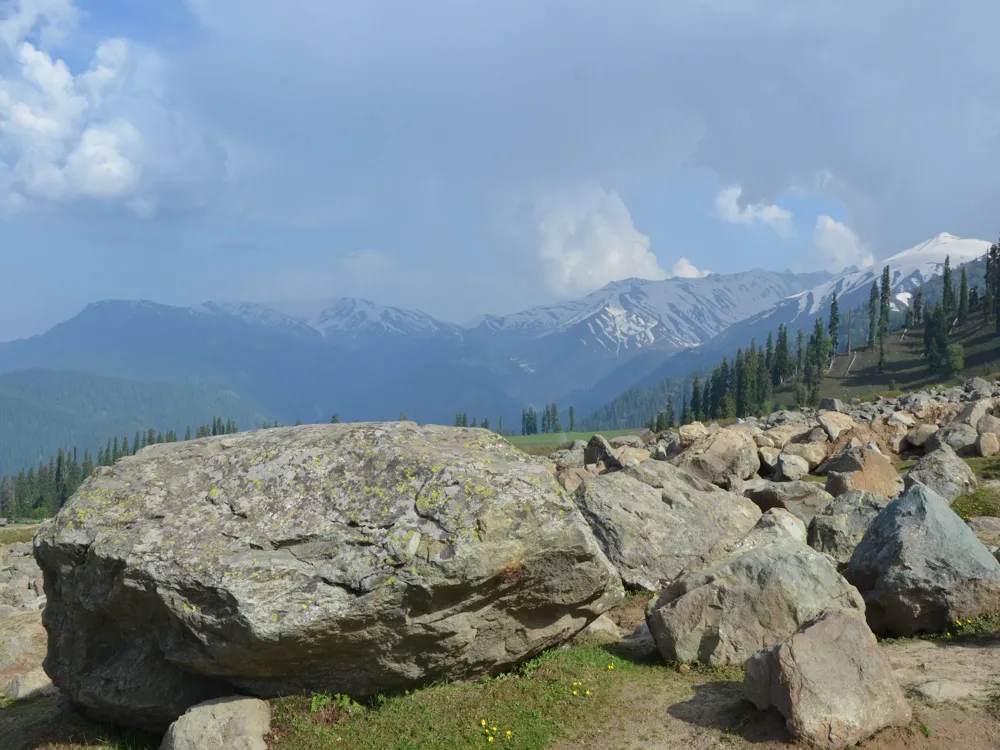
{"x":876,"y":475}
{"x":921,"y":434}
{"x":351,"y":558}
{"x":987,"y":444}
{"x":783,"y":434}
{"x":720,"y":456}
{"x":944,"y":472}
{"x":975,"y":411}
{"x":813,"y":453}
{"x":839,"y":527}
{"x":834,"y":423}
{"x":830,"y":681}
{"x":757,"y":597}
{"x":958,"y":436}
{"x":691,"y":433}
{"x":802,"y":499}
{"x":651,"y":520}
{"x":792,"y":468}
{"x":919,"y":567}
{"x":599,"y":452}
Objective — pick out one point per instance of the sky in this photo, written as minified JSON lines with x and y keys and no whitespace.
{"x":463,"y":158}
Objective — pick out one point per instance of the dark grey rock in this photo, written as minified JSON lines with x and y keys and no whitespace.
{"x":944,"y":472}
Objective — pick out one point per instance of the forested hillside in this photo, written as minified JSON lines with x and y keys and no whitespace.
{"x":43,"y":410}
{"x":948,"y":329}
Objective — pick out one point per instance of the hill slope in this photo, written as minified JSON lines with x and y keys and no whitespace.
{"x":42,"y":411}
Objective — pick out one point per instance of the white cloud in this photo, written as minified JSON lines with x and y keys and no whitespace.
{"x":838,"y":246}
{"x":587,"y":239}
{"x":685,"y":269}
{"x":100,"y":134}
{"x":727,"y":208}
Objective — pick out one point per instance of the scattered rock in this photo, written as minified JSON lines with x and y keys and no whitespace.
{"x":653,"y":519}
{"x":599,"y":451}
{"x":988,"y":444}
{"x":974,"y":412}
{"x":832,"y":404}
{"x":692,"y":433}
{"x":278,"y":561}
{"x":830,"y":681}
{"x":791,"y":467}
{"x":754,"y":599}
{"x":719,"y":456}
{"x":802,"y":499}
{"x":620,"y":441}
{"x":781,"y":435}
{"x":839,"y":527}
{"x":877,"y":475}
{"x":958,"y":436}
{"x":233,"y":723}
{"x":944,"y":472}
{"x":813,"y":453}
{"x":768,"y":459}
{"x":570,"y":479}
{"x":834,"y":423}
{"x":601,"y":630}
{"x":990,"y":424}
{"x":32,"y":684}
{"x":919,"y":567}
{"x":921,"y":434}
{"x":986,"y":529}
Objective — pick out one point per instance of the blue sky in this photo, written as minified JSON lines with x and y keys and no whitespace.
{"x":463,"y":158}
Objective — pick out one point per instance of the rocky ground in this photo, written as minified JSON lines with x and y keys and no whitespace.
{"x":767,"y":558}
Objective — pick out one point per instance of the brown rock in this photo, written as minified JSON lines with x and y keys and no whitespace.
{"x":920,"y":435}
{"x":691,"y":433}
{"x":835,"y":423}
{"x":988,"y":444}
{"x":783,"y":434}
{"x":721,"y":455}
{"x":877,"y":476}
{"x":813,"y":453}
{"x":830,"y":681}
{"x":572,"y":478}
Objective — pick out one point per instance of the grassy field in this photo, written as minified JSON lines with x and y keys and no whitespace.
{"x":11,"y":534}
{"x":555,"y":439}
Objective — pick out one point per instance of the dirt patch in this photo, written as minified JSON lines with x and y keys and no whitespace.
{"x":631,"y":613}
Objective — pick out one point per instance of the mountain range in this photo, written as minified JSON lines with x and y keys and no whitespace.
{"x":370,"y":362}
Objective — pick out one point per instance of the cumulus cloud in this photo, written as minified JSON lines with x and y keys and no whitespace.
{"x":838,"y":246}
{"x":727,"y":208}
{"x":97,"y":134}
{"x":685,"y":269}
{"x":587,"y":239}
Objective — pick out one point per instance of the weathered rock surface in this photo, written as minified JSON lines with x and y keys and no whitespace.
{"x":834,"y":423}
{"x":352,"y":558}
{"x":20,"y":578}
{"x":651,"y":520}
{"x":813,"y":453}
{"x":691,"y":433}
{"x":919,"y":567}
{"x":830,"y":681}
{"x":986,"y":529}
{"x":781,"y":435}
{"x":721,"y":455}
{"x":921,"y":434}
{"x":802,"y":499}
{"x":756,"y":598}
{"x":792,"y":468}
{"x":944,"y":472}
{"x":235,"y":723}
{"x":987,"y":444}
{"x":877,"y":475}
{"x":600,"y":452}
{"x":839,"y":527}
{"x":960,"y":437}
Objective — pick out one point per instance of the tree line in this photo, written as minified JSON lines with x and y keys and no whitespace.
{"x":40,"y":492}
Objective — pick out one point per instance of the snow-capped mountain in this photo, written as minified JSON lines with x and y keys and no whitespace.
{"x":635,"y":313}
{"x":346,"y":317}
{"x":908,"y":270}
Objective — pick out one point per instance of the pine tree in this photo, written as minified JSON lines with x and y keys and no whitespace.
{"x":799,"y":352}
{"x":995,"y":285}
{"x":918,"y":307}
{"x":948,"y":292}
{"x":554,"y":418}
{"x":335,"y":419}
{"x":671,"y":415}
{"x":834,"y":323}
{"x":963,"y":298}
{"x":474,"y":423}
{"x":883,"y":316}
{"x":872,"y":313}
{"x":988,"y":287}
{"x":696,"y":397}
{"x":486,"y":423}
{"x":187,"y":432}
{"x":572,"y":419}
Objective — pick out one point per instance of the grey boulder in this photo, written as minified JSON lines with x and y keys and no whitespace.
{"x":919,"y":567}
{"x":830,"y":681}
{"x":235,"y":723}
{"x":958,"y":436}
{"x":839,"y":527}
{"x":756,"y":598}
{"x":651,"y":520}
{"x":944,"y":472}
{"x":802,"y":499}
{"x":351,"y":558}
{"x":720,"y":456}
